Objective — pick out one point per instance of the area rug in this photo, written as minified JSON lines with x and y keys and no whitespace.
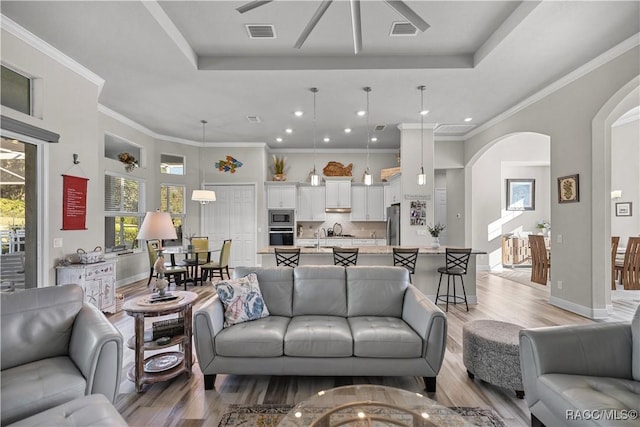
{"x":270,"y":416}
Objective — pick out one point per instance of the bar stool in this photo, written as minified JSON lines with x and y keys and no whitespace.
{"x":457,"y":261}
{"x":287,"y":257}
{"x":406,"y":257}
{"x":345,"y":256}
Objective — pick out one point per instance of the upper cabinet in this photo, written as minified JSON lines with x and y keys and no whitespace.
{"x":393,"y":191}
{"x":281,"y":195}
{"x":367,"y":203}
{"x":311,"y":203}
{"x":338,"y":193}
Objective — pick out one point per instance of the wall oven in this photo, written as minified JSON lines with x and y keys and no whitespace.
{"x":281,"y":228}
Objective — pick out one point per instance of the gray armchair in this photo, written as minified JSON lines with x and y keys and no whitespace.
{"x":582,"y":375}
{"x":54,"y":349}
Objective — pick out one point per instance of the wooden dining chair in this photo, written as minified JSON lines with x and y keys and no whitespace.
{"x":215,"y":268}
{"x":288,"y":257}
{"x":406,"y":257}
{"x":198,"y":257}
{"x":615,"y":241}
{"x":345,"y":256}
{"x":540,"y":263}
{"x":631,"y":265}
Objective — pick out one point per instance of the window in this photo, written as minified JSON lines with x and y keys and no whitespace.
{"x":170,"y":164}
{"x":123,"y":211}
{"x":114,"y":145}
{"x":16,"y":91}
{"x":172,"y":199}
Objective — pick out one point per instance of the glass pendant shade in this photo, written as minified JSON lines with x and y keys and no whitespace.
{"x":368,"y":179}
{"x":315,"y":178}
{"x":422,"y":177}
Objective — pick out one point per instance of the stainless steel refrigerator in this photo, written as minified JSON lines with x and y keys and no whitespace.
{"x":393,"y":225}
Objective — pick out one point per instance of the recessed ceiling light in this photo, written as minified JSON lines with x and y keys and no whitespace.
{"x":361,"y":113}
{"x":347,"y":130}
{"x":278,"y":139}
{"x":468,"y":119}
{"x":424,"y":112}
{"x":326,"y":139}
{"x":298,"y":113}
{"x":288,"y":130}
{"x":374,"y":139}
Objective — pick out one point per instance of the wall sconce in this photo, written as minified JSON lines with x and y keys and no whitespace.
{"x":203,"y":196}
{"x":616,"y":194}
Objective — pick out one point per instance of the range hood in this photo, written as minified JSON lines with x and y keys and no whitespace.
{"x":338,"y":210}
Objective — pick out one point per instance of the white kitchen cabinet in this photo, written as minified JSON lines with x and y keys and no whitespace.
{"x":311,"y":203}
{"x":339,"y":242}
{"x":367,"y":203}
{"x":381,"y":242}
{"x":338,"y":194}
{"x":309,"y":242}
{"x":393,"y":191}
{"x":364,"y":242}
{"x":281,"y":195}
{"x":97,"y":280}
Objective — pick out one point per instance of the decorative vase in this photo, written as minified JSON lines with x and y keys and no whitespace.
{"x":435,"y":242}
{"x":161,"y":284}
{"x":279,"y":177}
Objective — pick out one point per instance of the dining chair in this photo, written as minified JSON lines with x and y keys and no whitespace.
{"x":177,"y":273}
{"x":288,"y":257}
{"x":215,"y":268}
{"x":540,"y":263}
{"x":345,"y":256}
{"x":457,"y":261}
{"x":406,"y":257}
{"x":615,"y":241}
{"x":631,"y":265}
{"x":198,"y":257}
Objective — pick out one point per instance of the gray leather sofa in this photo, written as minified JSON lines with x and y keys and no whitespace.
{"x":327,"y":320}
{"x":582,"y":375}
{"x":55,"y":348}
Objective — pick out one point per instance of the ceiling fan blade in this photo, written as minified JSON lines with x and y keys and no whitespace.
{"x":314,"y":21}
{"x":408,"y":14}
{"x":356,"y":24}
{"x":252,"y":5}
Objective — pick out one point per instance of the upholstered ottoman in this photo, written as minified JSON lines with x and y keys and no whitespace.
{"x":93,"y":410}
{"x":491,"y":352}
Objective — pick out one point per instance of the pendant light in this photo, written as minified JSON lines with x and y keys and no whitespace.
{"x":203,"y":196}
{"x":315,"y":178}
{"x":422,"y":177}
{"x":368,"y":179}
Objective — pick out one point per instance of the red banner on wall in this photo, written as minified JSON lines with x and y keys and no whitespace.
{"x":74,"y":202}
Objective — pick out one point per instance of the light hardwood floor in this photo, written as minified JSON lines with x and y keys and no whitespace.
{"x":184,"y":402}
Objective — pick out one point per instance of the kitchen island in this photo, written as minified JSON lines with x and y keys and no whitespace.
{"x":426,"y":276}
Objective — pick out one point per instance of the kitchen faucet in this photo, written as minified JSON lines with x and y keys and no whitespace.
{"x":324,"y":232}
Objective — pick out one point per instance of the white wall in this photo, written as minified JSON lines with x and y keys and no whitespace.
{"x":517,"y":156}
{"x":625,"y":176}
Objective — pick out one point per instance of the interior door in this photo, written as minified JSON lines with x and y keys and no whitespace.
{"x":440,"y":211}
{"x":232,"y":216}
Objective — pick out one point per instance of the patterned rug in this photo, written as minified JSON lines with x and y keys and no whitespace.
{"x":270,"y":416}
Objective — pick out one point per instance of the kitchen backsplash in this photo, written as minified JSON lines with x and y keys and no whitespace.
{"x":360,"y":229}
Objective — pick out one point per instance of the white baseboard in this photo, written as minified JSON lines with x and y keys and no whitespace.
{"x":591,"y":313}
{"x":131,"y":279}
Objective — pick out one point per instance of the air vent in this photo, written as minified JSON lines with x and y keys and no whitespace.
{"x":379,"y":128}
{"x":454,"y":129}
{"x":253,"y":119}
{"x":403,"y":29}
{"x":262,"y":31}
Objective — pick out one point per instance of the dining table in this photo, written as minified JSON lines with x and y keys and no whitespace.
{"x":188,"y":253}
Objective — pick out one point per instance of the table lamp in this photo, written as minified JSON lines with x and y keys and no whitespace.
{"x":158,"y":225}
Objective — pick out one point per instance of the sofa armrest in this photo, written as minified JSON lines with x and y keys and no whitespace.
{"x":429,"y":322}
{"x":96,"y":349}
{"x":208,"y":321}
{"x":600,"y":350}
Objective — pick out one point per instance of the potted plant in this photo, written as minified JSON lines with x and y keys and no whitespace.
{"x":278,"y":167}
{"x":435,"y":231}
{"x":544,"y":227}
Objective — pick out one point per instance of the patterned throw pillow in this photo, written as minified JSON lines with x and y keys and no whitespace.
{"x":242,"y":299}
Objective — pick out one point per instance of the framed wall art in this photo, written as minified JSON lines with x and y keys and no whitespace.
{"x":623,"y":209}
{"x":521,"y":194}
{"x":569,"y":189}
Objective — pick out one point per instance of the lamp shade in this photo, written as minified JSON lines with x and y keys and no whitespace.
{"x":203,"y":196}
{"x":157,"y":225}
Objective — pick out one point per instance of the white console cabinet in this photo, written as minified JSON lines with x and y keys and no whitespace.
{"x":97,"y":280}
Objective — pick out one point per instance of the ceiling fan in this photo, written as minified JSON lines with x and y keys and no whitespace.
{"x":356,"y":24}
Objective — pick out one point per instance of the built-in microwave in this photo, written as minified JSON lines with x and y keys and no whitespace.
{"x":281,"y":218}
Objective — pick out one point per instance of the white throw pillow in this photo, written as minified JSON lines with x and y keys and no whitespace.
{"x":242,"y":299}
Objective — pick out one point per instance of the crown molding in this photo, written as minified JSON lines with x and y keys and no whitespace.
{"x":37,"y":43}
{"x":335,"y":150}
{"x":417,"y":126}
{"x":585,"y":69}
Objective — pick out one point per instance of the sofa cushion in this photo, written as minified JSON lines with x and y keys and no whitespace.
{"x":319,"y":290}
{"x":276,"y":284}
{"x":635,"y":345}
{"x":577,"y":392}
{"x":376,"y":291}
{"x":375,"y":336}
{"x":260,"y":338}
{"x":36,"y":323}
{"x":318,"y":336}
{"x":34,"y":387}
{"x":242,"y":299}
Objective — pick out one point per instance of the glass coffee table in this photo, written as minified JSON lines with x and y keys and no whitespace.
{"x":370,"y":406}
